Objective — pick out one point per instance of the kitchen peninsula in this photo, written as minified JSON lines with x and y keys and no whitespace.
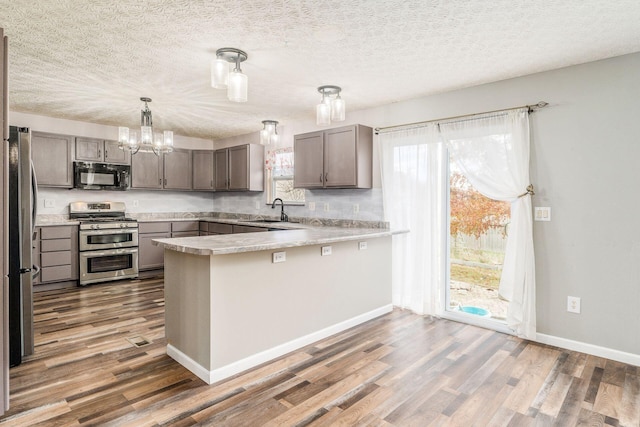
{"x":235,"y":301}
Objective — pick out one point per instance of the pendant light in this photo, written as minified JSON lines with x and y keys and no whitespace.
{"x":331,"y":106}
{"x":150,"y":141}
{"x":235,"y":81}
{"x":269,"y":132}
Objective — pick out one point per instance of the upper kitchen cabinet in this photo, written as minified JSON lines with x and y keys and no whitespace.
{"x":52,"y":157}
{"x":167,"y":171}
{"x":202,"y":169}
{"x":239,"y":168}
{"x":177,"y":166}
{"x":98,"y":150}
{"x":334,"y":158}
{"x":146,"y":171}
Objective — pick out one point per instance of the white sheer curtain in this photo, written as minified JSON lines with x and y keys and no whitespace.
{"x":493,"y":153}
{"x":413,"y":174}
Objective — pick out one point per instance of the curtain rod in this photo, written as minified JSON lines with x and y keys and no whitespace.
{"x":531,"y":108}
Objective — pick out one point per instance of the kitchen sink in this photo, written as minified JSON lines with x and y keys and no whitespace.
{"x":266,"y":220}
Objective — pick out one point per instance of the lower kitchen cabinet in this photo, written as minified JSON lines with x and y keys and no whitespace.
{"x":56,"y":251}
{"x":150,"y":256}
{"x":212,"y":228}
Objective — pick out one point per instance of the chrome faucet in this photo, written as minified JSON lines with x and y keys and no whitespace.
{"x":283,"y":216}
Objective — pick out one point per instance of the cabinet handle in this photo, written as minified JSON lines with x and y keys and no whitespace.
{"x":106,"y":154}
{"x":160,"y":181}
{"x":326,"y":177}
{"x":165,"y":181}
{"x":320,"y":177}
{"x":99,"y":152}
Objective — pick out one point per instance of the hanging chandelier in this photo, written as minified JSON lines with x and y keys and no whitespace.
{"x":235,"y":81}
{"x":269,"y":132}
{"x":331,"y":106}
{"x":149,"y":141}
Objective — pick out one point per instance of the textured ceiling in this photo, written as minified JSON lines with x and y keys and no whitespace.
{"x":93,"y":60}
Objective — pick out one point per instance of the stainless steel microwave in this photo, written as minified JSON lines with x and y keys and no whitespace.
{"x":101,"y":176}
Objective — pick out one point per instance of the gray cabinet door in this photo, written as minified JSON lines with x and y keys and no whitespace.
{"x":53,"y":159}
{"x":308,"y":160}
{"x":239,"y":168}
{"x":340,"y":157}
{"x":89,"y":149}
{"x":114,"y":154}
{"x":146,"y":171}
{"x":150,"y":256}
{"x":177,"y":170}
{"x":220,"y":169}
{"x":202,"y":169}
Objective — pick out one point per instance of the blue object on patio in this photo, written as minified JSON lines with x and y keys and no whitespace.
{"x":478,"y":311}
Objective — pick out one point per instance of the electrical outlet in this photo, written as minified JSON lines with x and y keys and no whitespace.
{"x":312,"y":206}
{"x":49,"y":203}
{"x":326,"y":207}
{"x":542,"y":213}
{"x":257,"y":205}
{"x":573,"y":305}
{"x":356,"y":208}
{"x":135,"y":203}
{"x":362,"y":246}
{"x":279,"y":257}
{"x":326,"y":250}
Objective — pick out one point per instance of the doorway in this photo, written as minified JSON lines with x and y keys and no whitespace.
{"x":477,"y":234}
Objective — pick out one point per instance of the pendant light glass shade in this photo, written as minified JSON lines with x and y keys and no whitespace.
{"x":238,"y":86}
{"x":323,"y":114}
{"x":219,"y":73}
{"x":338,"y":109}
{"x":146,"y":134}
{"x":168,"y":138}
{"x":331,"y":107}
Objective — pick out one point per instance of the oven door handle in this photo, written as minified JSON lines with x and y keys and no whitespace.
{"x":119,"y":251}
{"x":109,"y":231}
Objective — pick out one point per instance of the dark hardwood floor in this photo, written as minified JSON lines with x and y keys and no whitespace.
{"x":397,"y":370}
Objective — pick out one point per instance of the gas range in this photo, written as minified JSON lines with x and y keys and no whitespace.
{"x":108,"y":241}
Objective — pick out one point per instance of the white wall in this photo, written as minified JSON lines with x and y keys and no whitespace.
{"x":585,"y":155}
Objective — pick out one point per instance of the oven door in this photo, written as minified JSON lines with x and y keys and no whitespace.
{"x":111,"y":264}
{"x":108,"y":239}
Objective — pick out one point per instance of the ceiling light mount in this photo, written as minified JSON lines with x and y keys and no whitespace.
{"x":235,"y":81}
{"x":331,"y":107}
{"x":149,"y":141}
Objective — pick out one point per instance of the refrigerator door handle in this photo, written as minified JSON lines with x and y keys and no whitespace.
{"x":35,"y":271}
{"x":34,"y":194}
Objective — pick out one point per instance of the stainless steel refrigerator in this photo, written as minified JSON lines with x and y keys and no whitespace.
{"x":22,"y":197}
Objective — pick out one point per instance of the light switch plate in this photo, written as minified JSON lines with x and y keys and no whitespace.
{"x":542,"y":213}
{"x":49,"y":203}
{"x":326,"y":207}
{"x":362,"y":246}
{"x":356,"y":208}
{"x":312,"y":206}
{"x":326,"y":250}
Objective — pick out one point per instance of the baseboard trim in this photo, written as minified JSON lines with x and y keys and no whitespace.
{"x":254,"y":360}
{"x":594,"y":350}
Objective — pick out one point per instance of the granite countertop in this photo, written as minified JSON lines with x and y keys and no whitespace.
{"x":252,"y":242}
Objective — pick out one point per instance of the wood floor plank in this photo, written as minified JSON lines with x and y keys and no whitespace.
{"x":396,"y":370}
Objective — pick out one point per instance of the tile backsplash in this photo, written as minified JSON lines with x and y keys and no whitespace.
{"x":346,"y":204}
